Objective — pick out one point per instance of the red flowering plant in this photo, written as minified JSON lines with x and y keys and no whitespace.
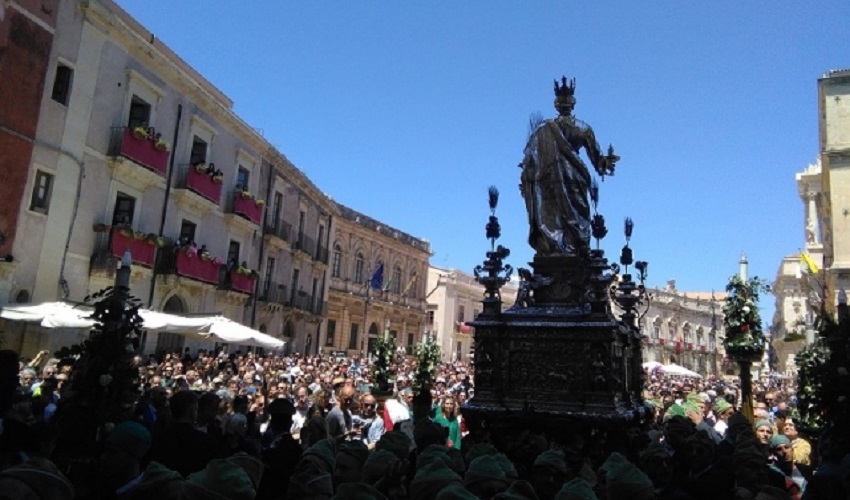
{"x":744,"y":336}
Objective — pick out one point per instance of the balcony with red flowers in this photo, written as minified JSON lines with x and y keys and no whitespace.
{"x":146,"y":152}
{"x":199,"y":186}
{"x":238,"y":280}
{"x":113,"y":241}
{"x":188,"y":262}
{"x":245,"y":209}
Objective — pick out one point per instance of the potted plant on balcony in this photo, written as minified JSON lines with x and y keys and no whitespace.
{"x":160,"y":144}
{"x":200,"y":167}
{"x":246,"y":194}
{"x":260,"y":203}
{"x":218,"y":177}
{"x":155,"y":239}
{"x":140,"y":131}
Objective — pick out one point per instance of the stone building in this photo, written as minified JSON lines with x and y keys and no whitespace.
{"x":685,"y":328}
{"x":454,"y":299}
{"x":822,"y":187}
{"x":357,"y":312}
{"x":834,"y":157}
{"x":112,"y":143}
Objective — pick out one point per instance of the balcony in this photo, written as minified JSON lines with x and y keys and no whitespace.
{"x":142,"y":152}
{"x":321,"y":254}
{"x":235,"y":281}
{"x":280,"y":231}
{"x":244,"y":210}
{"x":305,"y":244}
{"x":306,"y":303}
{"x":200,"y":188}
{"x":177,"y":260}
{"x":273,"y":293}
{"x":112,"y":242}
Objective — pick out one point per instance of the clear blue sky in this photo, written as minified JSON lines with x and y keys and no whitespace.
{"x":408,"y":111}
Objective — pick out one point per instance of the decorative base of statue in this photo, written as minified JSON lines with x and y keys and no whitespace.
{"x":558,"y":362}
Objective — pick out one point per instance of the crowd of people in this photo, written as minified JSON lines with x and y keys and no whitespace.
{"x":253,"y":425}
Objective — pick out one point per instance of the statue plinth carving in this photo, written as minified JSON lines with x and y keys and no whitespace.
{"x":558,"y":360}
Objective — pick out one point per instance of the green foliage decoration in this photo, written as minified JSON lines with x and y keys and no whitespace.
{"x":104,"y":383}
{"x":815,"y":390}
{"x":427,"y":359}
{"x":744,"y":336}
{"x":382,"y":366}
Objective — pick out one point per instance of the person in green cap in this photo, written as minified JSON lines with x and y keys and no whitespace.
{"x":722,"y":410}
{"x":576,"y":489}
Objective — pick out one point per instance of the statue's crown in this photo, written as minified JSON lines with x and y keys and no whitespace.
{"x":566,"y":88}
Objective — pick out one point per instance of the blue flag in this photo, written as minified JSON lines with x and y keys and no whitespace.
{"x":377,"y":279}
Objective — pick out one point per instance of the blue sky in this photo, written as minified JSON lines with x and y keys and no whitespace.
{"x":408,"y":111}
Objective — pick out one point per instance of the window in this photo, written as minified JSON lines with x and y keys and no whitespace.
{"x":301,"y":216}
{"x":125,"y":207}
{"x":233,"y":254}
{"x":140,"y":112}
{"x":410,"y":346}
{"x":396,"y":284}
{"x":293,"y":285}
{"x":242,"y":179}
{"x":358,"y":268}
{"x":394,"y":336}
{"x":321,"y":237}
{"x":337,"y":262}
{"x":41,"y":190}
{"x":187,"y":231}
{"x":314,"y":295}
{"x":656,"y":331}
{"x":278,"y":205}
{"x":62,"y":84}
{"x":199,"y":151}
{"x":429,"y":318}
{"x":267,"y":282}
{"x":329,"y":338}
{"x":461,"y":314}
{"x":352,"y":338}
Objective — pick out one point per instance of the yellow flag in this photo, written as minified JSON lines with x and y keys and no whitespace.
{"x":410,"y":283}
{"x":813,"y":268}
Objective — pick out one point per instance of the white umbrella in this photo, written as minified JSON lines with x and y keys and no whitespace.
{"x":651,"y":365}
{"x":63,"y":315}
{"x":680,"y":371}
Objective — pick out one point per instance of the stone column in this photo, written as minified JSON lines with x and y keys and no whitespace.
{"x":812,"y":236}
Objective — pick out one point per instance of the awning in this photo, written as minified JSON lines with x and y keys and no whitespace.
{"x":680,"y":371}
{"x":217,"y":328}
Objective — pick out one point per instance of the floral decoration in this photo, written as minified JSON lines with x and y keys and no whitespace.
{"x":744,"y":336}
{"x":427,"y":359}
{"x":382,"y":366}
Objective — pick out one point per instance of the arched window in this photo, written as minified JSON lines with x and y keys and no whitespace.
{"x":396,"y":284}
{"x":712,"y":341}
{"x":687,"y":334}
{"x":359,"y":262}
{"x":700,"y":337}
{"x":656,"y":329}
{"x":174,"y":305}
{"x":288,"y":330}
{"x":671,"y":332}
{"x":336,"y":265}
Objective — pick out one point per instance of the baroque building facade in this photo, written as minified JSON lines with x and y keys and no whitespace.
{"x":113,"y":146}
{"x":358,"y":313}
{"x":799,"y":289}
{"x":685,"y":328}
{"x":454,"y":300}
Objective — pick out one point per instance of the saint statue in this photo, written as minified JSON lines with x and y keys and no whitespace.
{"x":555,"y":180}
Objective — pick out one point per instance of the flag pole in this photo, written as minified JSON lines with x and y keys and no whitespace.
{"x":365,"y":321}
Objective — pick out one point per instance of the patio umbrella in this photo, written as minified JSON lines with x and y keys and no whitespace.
{"x":681,"y":371}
